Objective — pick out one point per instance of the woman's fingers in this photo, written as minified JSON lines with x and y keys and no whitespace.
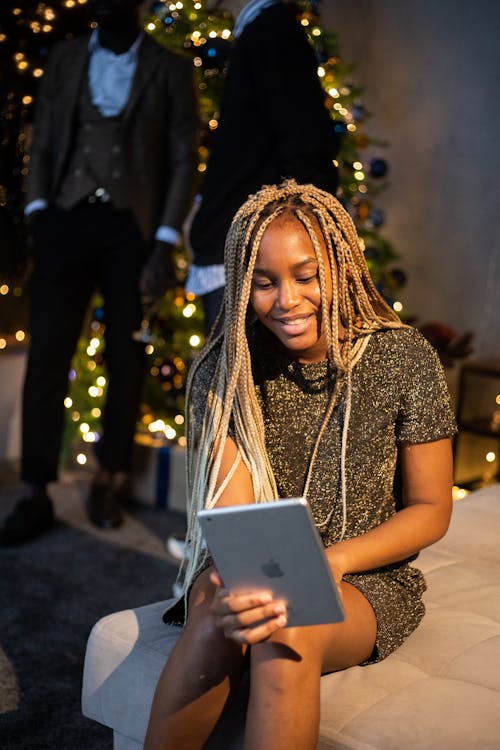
{"x":246,"y":618}
{"x":257,"y":633}
{"x":225,"y":603}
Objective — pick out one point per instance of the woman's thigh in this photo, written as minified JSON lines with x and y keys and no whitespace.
{"x":328,"y":648}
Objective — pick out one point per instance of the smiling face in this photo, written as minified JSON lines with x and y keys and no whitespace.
{"x":286,"y":294}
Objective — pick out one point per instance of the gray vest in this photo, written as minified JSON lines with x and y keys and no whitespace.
{"x":96,"y":160}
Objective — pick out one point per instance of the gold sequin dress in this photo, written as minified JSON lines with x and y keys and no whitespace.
{"x":399,"y":393}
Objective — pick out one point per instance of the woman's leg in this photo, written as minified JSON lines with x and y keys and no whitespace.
{"x":195,"y":683}
{"x":283,"y":711}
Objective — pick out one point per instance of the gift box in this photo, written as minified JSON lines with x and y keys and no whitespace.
{"x":159,"y":473}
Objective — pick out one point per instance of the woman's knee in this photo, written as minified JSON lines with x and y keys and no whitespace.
{"x":287,"y":655}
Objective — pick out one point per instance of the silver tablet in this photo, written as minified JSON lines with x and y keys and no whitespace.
{"x":274,"y":547}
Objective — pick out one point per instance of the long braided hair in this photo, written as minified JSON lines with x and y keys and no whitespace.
{"x":232,"y":403}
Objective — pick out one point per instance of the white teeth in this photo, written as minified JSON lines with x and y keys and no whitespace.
{"x":296,"y":322}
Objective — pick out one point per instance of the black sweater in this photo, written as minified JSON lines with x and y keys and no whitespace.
{"x":273,"y":124}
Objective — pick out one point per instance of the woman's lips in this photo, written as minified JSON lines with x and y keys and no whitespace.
{"x":294,"y":326}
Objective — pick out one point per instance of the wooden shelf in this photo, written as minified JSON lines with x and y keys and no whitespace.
{"x":480,"y":424}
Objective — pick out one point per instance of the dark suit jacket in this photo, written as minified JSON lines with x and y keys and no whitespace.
{"x":273,"y":124}
{"x":160,"y":131}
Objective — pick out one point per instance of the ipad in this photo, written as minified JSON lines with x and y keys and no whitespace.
{"x":274,"y":547}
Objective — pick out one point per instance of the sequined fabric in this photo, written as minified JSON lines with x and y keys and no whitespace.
{"x":399,"y":394}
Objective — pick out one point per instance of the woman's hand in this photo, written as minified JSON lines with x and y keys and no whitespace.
{"x":246,"y":618}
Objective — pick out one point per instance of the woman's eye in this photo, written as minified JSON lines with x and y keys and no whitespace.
{"x":262,"y":284}
{"x":307,"y":279}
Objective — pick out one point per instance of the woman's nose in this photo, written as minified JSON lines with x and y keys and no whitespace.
{"x":287,"y":296}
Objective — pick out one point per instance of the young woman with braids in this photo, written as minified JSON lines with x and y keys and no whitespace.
{"x":314,"y":388}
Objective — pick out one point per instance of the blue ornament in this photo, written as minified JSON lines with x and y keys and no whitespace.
{"x":340,"y":127}
{"x":358,"y":113}
{"x":377,"y":217}
{"x":378,"y":168}
{"x":215,"y":53}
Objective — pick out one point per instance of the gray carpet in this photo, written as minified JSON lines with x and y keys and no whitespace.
{"x":52,"y":591}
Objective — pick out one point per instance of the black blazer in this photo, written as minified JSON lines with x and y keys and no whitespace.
{"x":160,"y":131}
{"x":273,"y":124}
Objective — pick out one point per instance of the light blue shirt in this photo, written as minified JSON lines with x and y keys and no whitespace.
{"x":111,"y":76}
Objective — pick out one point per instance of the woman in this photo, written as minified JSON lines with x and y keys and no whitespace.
{"x":314,"y":388}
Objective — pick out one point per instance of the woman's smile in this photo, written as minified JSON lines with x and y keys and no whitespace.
{"x":295,"y":325}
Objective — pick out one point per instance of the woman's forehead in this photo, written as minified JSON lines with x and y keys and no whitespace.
{"x":289,"y":227}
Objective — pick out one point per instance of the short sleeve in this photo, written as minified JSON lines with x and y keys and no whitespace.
{"x":426,"y":411}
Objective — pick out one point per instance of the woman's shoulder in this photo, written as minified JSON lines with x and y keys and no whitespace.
{"x":404,"y":342}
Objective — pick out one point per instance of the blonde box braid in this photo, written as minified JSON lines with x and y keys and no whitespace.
{"x":232,"y":402}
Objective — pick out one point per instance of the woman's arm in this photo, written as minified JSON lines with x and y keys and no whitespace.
{"x":239,"y":488}
{"x":427,"y":483}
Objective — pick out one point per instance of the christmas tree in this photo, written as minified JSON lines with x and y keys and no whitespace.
{"x":173,"y":334}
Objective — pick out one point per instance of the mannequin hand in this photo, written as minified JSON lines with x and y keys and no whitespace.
{"x":159,"y":273}
{"x":34,"y":216}
{"x":236,"y":614}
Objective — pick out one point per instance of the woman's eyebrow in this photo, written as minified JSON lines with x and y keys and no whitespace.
{"x":296,"y":266}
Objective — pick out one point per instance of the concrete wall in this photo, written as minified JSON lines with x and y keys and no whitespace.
{"x":431,"y":72}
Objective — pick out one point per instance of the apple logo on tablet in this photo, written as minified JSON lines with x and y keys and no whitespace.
{"x":272,"y":569}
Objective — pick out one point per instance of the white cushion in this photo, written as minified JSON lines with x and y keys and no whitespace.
{"x":439,"y":691}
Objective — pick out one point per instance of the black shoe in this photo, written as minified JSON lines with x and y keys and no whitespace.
{"x":31,"y":518}
{"x":103,"y":507}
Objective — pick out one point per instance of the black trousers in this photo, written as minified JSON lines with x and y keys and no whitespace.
{"x":91,"y":246}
